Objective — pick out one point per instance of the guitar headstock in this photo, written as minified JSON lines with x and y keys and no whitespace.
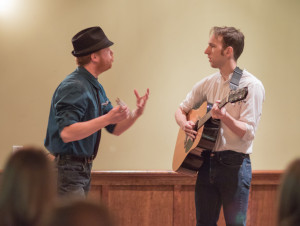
{"x":237,"y":95}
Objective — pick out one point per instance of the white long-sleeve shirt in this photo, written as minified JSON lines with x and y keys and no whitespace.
{"x":249,"y":111}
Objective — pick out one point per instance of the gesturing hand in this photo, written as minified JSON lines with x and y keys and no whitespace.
{"x":118,"y":114}
{"x":140,"y":102}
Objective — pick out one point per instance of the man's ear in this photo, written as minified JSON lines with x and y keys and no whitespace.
{"x":229,"y":51}
{"x":94,"y":56}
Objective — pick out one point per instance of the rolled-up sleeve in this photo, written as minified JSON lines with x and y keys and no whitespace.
{"x":194,"y":98}
{"x":252,"y":109}
{"x":69,"y":104}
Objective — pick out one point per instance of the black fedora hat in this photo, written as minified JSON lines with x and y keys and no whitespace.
{"x":89,"y":41}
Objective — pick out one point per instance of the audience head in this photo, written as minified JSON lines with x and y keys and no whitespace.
{"x":27,"y":187}
{"x":80,"y":212}
{"x":289,"y":196}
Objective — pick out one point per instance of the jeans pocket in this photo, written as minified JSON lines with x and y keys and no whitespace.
{"x":231,"y":160}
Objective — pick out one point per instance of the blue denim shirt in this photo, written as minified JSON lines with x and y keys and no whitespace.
{"x":75,"y":100}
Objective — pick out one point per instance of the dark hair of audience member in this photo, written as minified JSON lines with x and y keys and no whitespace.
{"x":80,"y":212}
{"x":289,"y":196}
{"x":27,"y":188}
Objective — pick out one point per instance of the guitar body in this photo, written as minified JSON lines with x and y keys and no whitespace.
{"x":187,"y":155}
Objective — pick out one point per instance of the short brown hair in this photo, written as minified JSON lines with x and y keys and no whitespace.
{"x":289,"y":195}
{"x":83,"y":60}
{"x":79,"y":212}
{"x":231,"y":37}
{"x":27,"y":187}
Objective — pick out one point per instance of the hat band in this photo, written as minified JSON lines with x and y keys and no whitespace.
{"x":101,"y":45}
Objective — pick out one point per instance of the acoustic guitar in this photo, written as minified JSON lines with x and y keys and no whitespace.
{"x":187,"y":157}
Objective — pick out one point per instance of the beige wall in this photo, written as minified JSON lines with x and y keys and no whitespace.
{"x":158,"y":44}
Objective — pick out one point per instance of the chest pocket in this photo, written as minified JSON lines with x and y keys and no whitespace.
{"x":105,"y":106}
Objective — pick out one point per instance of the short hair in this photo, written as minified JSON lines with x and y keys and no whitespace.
{"x":83,"y":60}
{"x":231,"y":37}
{"x":77,"y":212}
{"x":289,"y":195}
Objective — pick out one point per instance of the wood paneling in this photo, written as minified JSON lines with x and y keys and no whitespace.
{"x":152,"y":205}
{"x":165,"y":198}
{"x":184,"y":205}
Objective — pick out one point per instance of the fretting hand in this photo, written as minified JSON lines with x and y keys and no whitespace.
{"x":216,"y":112}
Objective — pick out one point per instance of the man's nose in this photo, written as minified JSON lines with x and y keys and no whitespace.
{"x":206,"y":51}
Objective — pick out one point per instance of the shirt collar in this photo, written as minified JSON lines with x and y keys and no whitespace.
{"x":228,"y":80}
{"x":86,"y":74}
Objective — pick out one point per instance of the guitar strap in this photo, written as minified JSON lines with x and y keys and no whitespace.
{"x":235,"y":79}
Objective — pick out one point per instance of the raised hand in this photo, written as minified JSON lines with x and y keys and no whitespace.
{"x":140,"y":102}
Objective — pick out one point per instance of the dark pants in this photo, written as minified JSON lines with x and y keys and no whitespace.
{"x":223,"y":179}
{"x":74,"y":177}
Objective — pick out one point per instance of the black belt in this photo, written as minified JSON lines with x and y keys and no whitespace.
{"x":222,"y":153}
{"x":75,"y":158}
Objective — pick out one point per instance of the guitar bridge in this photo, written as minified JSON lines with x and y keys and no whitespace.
{"x":196,"y":151}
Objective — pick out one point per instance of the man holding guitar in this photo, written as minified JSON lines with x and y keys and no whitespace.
{"x":224,"y":178}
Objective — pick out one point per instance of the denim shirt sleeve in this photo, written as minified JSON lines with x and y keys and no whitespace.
{"x":69,"y":104}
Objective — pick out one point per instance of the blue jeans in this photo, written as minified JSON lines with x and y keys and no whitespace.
{"x":223,"y":179}
{"x":74,"y":177}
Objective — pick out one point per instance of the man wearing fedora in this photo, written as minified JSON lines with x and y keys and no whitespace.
{"x":80,"y":109}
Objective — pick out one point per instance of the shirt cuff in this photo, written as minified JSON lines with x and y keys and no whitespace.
{"x":249,"y":135}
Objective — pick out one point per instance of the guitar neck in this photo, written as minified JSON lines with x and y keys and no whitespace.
{"x":207,"y":116}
